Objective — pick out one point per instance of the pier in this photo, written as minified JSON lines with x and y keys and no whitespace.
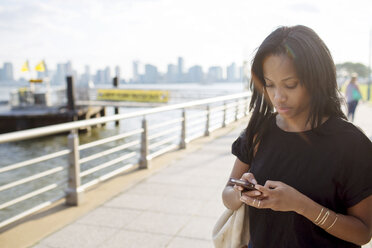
{"x":175,"y":203}
{"x":124,"y":153}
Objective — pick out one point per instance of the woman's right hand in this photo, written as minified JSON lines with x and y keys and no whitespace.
{"x":250,"y":178}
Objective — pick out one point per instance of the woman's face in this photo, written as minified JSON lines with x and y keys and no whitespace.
{"x":288,"y":96}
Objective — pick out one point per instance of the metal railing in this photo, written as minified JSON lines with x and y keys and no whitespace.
{"x":144,"y":144}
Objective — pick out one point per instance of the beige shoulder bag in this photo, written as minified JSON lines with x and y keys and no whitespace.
{"x":232,"y":229}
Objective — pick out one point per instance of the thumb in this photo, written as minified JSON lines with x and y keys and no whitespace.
{"x":249,"y":177}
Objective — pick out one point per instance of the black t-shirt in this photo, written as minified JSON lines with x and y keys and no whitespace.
{"x":331,"y":164}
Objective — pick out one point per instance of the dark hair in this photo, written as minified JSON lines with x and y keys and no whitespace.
{"x":316,"y":72}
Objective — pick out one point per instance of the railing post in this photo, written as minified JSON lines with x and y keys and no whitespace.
{"x":71,"y":98}
{"x":183,"y":130}
{"x":144,"y":163}
{"x":207,"y":124}
{"x":237,"y":110}
{"x":115,"y":83}
{"x":246,"y":106}
{"x":74,"y":195}
{"x":224,"y":114}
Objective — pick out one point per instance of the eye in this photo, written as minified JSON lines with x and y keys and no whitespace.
{"x":291,"y":85}
{"x":268,"y":84}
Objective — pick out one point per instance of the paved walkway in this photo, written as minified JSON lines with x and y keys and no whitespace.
{"x":363,"y":118}
{"x":176,"y":207}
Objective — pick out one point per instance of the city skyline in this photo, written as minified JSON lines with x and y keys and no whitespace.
{"x":175,"y":73}
{"x":208,"y":32}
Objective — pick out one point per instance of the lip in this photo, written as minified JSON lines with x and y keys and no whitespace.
{"x":282,"y":109}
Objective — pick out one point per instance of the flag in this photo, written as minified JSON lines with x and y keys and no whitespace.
{"x":40,"y":66}
{"x":25,"y":66}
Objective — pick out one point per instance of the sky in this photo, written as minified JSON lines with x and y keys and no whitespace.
{"x":205,"y":32}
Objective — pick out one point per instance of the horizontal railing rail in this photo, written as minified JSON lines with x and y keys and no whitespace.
{"x":60,"y":128}
{"x":110,"y":139}
{"x":109,"y":156}
{"x":35,"y":160}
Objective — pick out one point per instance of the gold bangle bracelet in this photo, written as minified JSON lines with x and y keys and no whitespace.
{"x":332,"y":223}
{"x":322,"y":219}
{"x":321,"y":211}
{"x":326,"y":215}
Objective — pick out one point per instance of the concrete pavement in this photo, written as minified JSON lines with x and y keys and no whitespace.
{"x":363,"y":118}
{"x":175,"y":207}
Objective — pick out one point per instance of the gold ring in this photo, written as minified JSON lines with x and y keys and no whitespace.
{"x":259,"y":203}
{"x":254,"y":201}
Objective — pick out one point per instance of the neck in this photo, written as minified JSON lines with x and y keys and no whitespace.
{"x":291,"y":125}
{"x":295,"y":125}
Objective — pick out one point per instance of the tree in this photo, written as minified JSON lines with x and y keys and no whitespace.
{"x":350,"y":68}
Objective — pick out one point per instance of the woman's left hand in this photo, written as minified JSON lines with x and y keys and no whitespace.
{"x":277,"y":196}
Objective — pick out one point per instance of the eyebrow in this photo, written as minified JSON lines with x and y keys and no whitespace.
{"x":283,"y":80}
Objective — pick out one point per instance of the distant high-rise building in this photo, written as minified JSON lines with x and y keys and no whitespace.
{"x":195,"y":74}
{"x":87,"y":71}
{"x":2,"y":76}
{"x":231,"y":73}
{"x":40,"y":74}
{"x":151,"y":74}
{"x":172,"y":73}
{"x":60,"y":75}
{"x":86,"y":76}
{"x":117,"y":71}
{"x":215,"y":74}
{"x":8,"y":71}
{"x":135,"y":78}
{"x":100,"y":77}
{"x":43,"y":74}
{"x":180,"y":65}
{"x":64,"y":70}
{"x":180,"y":69}
{"x":241,"y":75}
{"x":69,"y":69}
{"x":75,"y":75}
{"x":107,"y":75}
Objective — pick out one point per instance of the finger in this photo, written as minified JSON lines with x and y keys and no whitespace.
{"x":264,"y":191}
{"x":272,"y":184}
{"x":238,"y":188}
{"x":253,"y":202}
{"x":249,"y":177}
{"x":252,"y":193}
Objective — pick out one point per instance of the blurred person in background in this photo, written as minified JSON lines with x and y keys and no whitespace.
{"x":353,"y":95}
{"x":311,"y":168}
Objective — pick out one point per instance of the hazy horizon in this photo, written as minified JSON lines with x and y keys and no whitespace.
{"x":207,"y":33}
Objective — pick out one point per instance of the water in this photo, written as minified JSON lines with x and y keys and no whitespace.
{"x":14,"y":152}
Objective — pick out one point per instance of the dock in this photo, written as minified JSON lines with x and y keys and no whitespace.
{"x":175,"y":204}
{"x":32,"y":117}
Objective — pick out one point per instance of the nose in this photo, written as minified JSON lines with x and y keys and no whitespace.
{"x":279,"y":95}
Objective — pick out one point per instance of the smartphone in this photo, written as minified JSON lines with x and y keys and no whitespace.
{"x":246,"y":185}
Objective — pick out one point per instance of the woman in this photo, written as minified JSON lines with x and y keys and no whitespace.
{"x":311,"y":168}
{"x":353,"y":95}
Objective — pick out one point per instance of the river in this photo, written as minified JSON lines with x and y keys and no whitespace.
{"x":14,"y":152}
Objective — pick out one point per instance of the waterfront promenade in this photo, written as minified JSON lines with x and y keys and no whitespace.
{"x":175,"y":204}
